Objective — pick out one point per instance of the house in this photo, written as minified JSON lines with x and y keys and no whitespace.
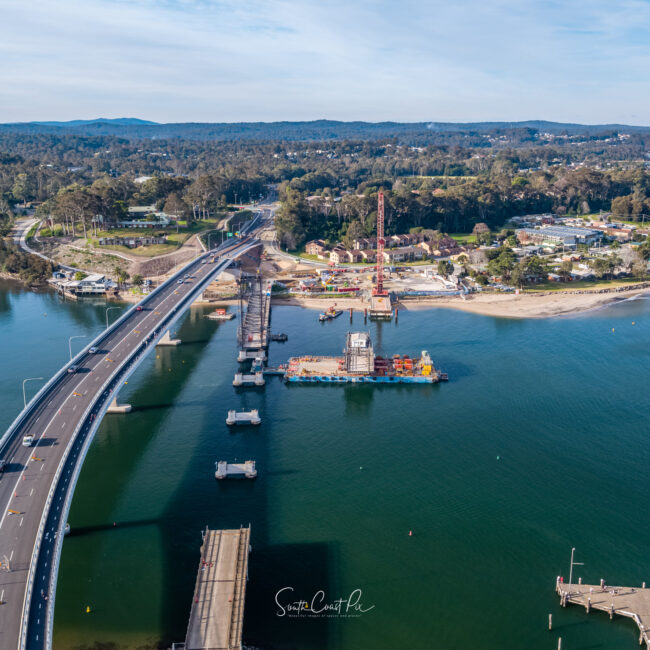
{"x":369,"y":255}
{"x":364,"y":243}
{"x":353,"y":256}
{"x":443,"y":247}
{"x":338,"y":255}
{"x":403,"y":254}
{"x":94,"y":284}
{"x":132,"y":242}
{"x":316,"y":247}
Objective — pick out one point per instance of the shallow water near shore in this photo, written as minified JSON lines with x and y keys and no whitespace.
{"x":538,"y":443}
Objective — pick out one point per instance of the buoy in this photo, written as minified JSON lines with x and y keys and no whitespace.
{"x":126,"y":382}
{"x":114,"y":524}
{"x":613,"y":330}
{"x":360,"y":467}
{"x":87,"y":609}
{"x":410,"y":533}
{"x":498,"y":457}
{"x":633,"y":323}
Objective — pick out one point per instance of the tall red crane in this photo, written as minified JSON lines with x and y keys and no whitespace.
{"x":379,"y":287}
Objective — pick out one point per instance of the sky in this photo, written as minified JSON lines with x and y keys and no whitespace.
{"x":585,"y":61}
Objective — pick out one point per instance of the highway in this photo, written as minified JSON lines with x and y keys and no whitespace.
{"x":38,"y":482}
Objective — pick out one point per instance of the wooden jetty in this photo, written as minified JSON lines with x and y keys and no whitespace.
{"x":217,"y":615}
{"x":632,"y":602}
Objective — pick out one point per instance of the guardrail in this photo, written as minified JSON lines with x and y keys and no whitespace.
{"x":18,"y":421}
{"x":117,"y":376}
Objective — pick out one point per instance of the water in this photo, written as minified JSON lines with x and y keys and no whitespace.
{"x":538,"y":443}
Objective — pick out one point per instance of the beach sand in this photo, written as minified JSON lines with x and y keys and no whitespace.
{"x":530,"y":305}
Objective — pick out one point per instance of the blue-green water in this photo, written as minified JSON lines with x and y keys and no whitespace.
{"x":538,"y":443}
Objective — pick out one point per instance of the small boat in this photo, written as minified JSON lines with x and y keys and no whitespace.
{"x":220,"y":314}
{"x":281,"y":338}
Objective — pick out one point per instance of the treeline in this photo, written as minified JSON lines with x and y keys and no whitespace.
{"x":31,"y":269}
{"x":451,"y":206}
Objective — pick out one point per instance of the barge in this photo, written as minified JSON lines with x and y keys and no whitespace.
{"x":359,"y":364}
{"x":220,"y":314}
{"x":330,"y":314}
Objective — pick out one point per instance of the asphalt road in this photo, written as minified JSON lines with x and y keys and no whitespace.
{"x":31,"y":471}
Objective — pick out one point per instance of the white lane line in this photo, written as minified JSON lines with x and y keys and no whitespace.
{"x":32,"y":492}
{"x":42,"y":466}
{"x":21,"y":521}
{"x":2,"y":595}
{"x":11,"y":557}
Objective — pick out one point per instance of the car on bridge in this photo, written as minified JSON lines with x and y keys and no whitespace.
{"x":93,"y":350}
{"x":28,"y":441}
{"x":3,"y":464}
{"x":139,"y":308}
{"x":73,"y":368}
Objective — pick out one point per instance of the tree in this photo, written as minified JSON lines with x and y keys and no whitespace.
{"x":122,"y":277}
{"x":565,"y":269}
{"x":138,"y":280}
{"x":79,"y":275}
{"x":445,"y":268}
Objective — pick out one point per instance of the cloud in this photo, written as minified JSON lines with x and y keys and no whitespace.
{"x":211,"y":60}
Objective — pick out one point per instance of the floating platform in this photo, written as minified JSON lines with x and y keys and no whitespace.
{"x":249,"y":380}
{"x":243,"y":417}
{"x":235,"y":470}
{"x":280,"y":338}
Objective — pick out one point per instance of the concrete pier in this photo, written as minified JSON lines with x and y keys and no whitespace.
{"x":217,"y":615}
{"x":168,"y":340}
{"x":243,"y":417}
{"x":242,"y":379}
{"x":632,"y":602}
{"x":236,"y":470}
{"x":118,"y":408}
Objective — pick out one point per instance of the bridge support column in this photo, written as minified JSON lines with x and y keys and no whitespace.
{"x":118,"y":408}
{"x":168,"y":340}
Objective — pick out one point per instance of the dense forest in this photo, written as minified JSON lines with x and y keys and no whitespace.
{"x":477,"y":173}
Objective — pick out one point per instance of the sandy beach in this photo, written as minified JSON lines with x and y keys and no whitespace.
{"x":530,"y":305}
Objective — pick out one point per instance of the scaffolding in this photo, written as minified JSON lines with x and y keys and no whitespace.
{"x":358,"y":354}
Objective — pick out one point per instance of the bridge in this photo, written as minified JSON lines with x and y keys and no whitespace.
{"x":37,"y":485}
{"x":253,"y":331}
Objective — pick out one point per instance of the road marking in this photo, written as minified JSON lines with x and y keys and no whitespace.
{"x":32,"y":492}
{"x":2,"y":595}
{"x":42,"y":466}
{"x":11,"y":557}
{"x":21,"y":521}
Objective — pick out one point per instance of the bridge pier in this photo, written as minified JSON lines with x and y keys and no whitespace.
{"x":168,"y":340}
{"x":118,"y":408}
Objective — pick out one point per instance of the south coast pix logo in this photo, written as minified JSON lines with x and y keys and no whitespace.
{"x":318,"y":606}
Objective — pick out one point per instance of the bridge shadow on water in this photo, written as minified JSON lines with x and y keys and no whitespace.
{"x":197,"y":501}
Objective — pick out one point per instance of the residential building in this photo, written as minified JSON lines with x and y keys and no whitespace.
{"x":403,"y":254}
{"x":315,"y":247}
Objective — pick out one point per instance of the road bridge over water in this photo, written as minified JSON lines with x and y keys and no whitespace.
{"x":38,"y":483}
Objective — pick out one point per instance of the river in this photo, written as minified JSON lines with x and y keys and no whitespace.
{"x":539,"y":442}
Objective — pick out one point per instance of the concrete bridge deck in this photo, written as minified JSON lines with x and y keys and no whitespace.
{"x":253,"y":332}
{"x":217,"y":615}
{"x":631,"y":602}
{"x":37,"y":485}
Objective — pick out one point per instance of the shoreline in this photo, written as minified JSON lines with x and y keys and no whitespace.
{"x":503,"y":305}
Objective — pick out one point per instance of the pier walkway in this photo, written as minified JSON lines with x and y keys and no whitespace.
{"x":253,"y":332}
{"x":632,"y":602}
{"x":217,"y":615}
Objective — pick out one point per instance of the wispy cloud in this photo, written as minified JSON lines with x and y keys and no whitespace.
{"x":212,"y":60}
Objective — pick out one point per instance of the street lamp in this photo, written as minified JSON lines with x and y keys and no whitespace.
{"x":24,"y":382}
{"x":79,"y":336}
{"x":571,"y":568}
{"x":107,"y":310}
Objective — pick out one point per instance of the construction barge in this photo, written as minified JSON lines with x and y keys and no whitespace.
{"x":359,"y":364}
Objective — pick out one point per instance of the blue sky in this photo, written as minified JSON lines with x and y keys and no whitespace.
{"x":226,"y":60}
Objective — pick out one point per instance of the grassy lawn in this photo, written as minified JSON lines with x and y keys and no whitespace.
{"x":580,"y":285}
{"x":466,"y":238}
